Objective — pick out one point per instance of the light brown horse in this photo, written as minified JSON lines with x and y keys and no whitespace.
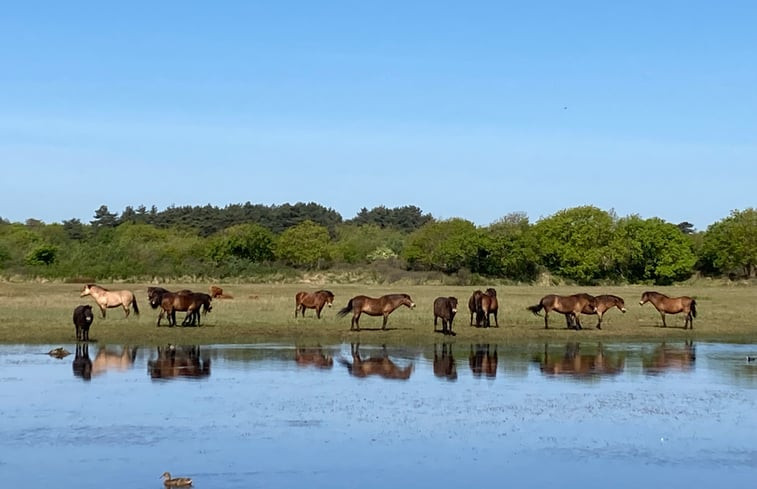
{"x":312,"y":300}
{"x":381,"y":366}
{"x":604,"y":302}
{"x":564,"y":304}
{"x":383,"y":306}
{"x":107,"y":359}
{"x":487,"y":305}
{"x":473,"y":302}
{"x":111,"y":298}
{"x":672,"y":305}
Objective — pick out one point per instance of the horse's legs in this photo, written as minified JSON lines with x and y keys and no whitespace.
{"x":102,"y":310}
{"x":126,"y":309}
{"x":546,"y":324}
{"x":599,"y":323}
{"x":496,"y":321}
{"x":318,"y":311}
{"x":471,"y":319}
{"x":386,"y":317}
{"x":578,"y":321}
{"x":436,"y":318}
{"x":662,"y":315}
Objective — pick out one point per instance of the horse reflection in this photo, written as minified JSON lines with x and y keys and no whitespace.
{"x":483,"y":361}
{"x":107,"y":359}
{"x":670,"y":358}
{"x":178,"y":361}
{"x":444,"y":364}
{"x":312,"y":356}
{"x":82,"y":363}
{"x":381,"y":366}
{"x":575,"y":363}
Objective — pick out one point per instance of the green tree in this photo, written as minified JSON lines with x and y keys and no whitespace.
{"x":510,"y":249}
{"x":43,"y":254}
{"x":731,"y":243}
{"x":244,"y":241}
{"x":104,"y":218}
{"x":652,"y":250}
{"x":443,"y":245}
{"x":304,"y":245}
{"x":575,"y":243}
{"x":366,"y":243}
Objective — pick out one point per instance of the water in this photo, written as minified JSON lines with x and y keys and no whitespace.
{"x":252,"y":416}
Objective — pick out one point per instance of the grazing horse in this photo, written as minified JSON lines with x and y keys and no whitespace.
{"x":473,"y":303}
{"x":383,"y":306}
{"x":445,"y":308}
{"x":381,"y":366}
{"x":483,"y":361}
{"x":604,"y":302}
{"x":564,"y":304}
{"x":191,"y":302}
{"x":83,"y":320}
{"x":486,"y":306}
{"x":672,"y":305}
{"x":111,"y":298}
{"x":312,"y":300}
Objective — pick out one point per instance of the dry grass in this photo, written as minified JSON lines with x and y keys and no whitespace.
{"x":41,"y":314}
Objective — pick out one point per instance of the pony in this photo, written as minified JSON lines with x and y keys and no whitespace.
{"x":473,"y":302}
{"x":564,"y":304}
{"x":82,"y":321}
{"x":383,"y":306}
{"x":312,"y":300}
{"x":445,"y":308}
{"x":604,"y":302}
{"x":381,"y":366}
{"x":486,"y":306}
{"x":111,"y":298}
{"x":191,"y":302}
{"x":672,"y":305}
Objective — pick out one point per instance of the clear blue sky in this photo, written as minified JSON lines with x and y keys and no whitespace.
{"x":466,"y":109}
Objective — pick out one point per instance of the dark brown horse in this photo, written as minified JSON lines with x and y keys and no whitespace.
{"x":191,"y":302}
{"x":383,"y":306}
{"x":473,"y":303}
{"x":382,"y":366}
{"x":672,"y":305}
{"x":604,"y":302}
{"x":564,"y":304}
{"x":487,"y":305}
{"x":312,"y":300}
{"x":445,"y":308}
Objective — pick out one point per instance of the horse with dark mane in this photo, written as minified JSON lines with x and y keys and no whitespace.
{"x":82,"y":321}
{"x":487,"y":305}
{"x":672,"y":305}
{"x":111,"y":298}
{"x":383,"y":306}
{"x":192,"y":303}
{"x":445,"y":308}
{"x":473,"y":302}
{"x":312,"y":300}
{"x":604,"y":302}
{"x":564,"y":304}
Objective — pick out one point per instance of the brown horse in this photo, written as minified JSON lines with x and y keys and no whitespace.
{"x":672,"y":305}
{"x":564,"y":304}
{"x":604,"y":302}
{"x":312,"y":300}
{"x":445,"y":308}
{"x":383,"y":306}
{"x":487,"y":305}
{"x":191,"y":302}
{"x":473,"y":302}
{"x":381,"y":366}
{"x":111,"y":298}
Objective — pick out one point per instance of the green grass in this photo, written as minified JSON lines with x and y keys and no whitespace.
{"x":36,"y":313}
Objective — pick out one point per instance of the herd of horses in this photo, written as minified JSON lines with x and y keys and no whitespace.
{"x":482,"y":305}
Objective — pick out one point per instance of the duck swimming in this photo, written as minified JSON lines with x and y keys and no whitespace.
{"x":169,"y":481}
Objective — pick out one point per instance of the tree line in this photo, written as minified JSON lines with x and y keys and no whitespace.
{"x":586,"y":245}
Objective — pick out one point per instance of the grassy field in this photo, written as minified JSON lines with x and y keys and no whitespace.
{"x":35,"y":313}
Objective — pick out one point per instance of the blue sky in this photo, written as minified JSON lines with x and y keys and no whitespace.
{"x":466,"y":109}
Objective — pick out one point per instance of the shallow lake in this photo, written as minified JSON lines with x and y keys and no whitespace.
{"x":241,"y":416}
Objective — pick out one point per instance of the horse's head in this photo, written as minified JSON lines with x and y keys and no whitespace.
{"x":406,"y":300}
{"x":491,"y":292}
{"x":620,"y":304}
{"x":329,"y":297}
{"x":86,"y":290}
{"x":644,"y":298}
{"x":453,"y":303}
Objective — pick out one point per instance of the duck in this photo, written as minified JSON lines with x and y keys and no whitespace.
{"x":750,"y":358}
{"x":169,"y":481}
{"x":59,"y":352}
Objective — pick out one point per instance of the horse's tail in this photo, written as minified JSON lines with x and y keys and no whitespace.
{"x":134,"y":304}
{"x":693,"y":308}
{"x":345,"y":310}
{"x":535,"y":309}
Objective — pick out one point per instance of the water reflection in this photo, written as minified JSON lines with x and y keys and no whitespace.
{"x":573,"y":362}
{"x":179,"y":362}
{"x":312,"y":356}
{"x":666,"y":358}
{"x":444,"y":363}
{"x":381,"y":366}
{"x":110,"y":359}
{"x":82,"y":363}
{"x":483,"y":361}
